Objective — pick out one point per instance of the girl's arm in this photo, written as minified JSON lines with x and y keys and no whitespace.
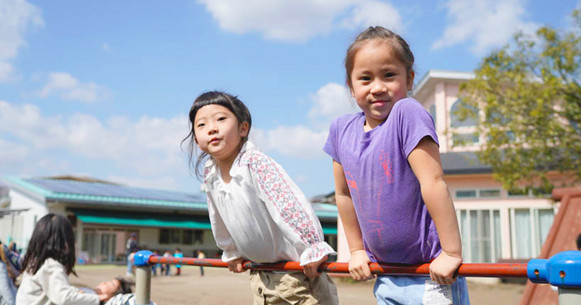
{"x":290,"y":210}
{"x":359,"y":261}
{"x":55,"y":284}
{"x":425,"y":163}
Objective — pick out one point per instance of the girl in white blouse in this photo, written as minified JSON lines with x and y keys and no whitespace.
{"x":257,"y":212}
{"x":49,"y":260}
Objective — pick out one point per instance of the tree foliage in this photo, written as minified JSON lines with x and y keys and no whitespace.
{"x":528,"y":107}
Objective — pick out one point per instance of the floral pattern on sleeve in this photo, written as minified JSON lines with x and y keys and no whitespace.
{"x":276,"y":187}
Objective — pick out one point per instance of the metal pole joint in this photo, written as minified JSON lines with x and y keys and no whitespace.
{"x":562,"y":270}
{"x":141,"y":258}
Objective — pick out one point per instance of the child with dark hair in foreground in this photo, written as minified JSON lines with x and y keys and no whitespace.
{"x":49,"y":260}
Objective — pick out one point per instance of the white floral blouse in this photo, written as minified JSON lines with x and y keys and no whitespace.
{"x":261,"y":214}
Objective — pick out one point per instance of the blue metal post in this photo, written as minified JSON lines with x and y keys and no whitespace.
{"x":562,"y":270}
{"x":142,"y":278}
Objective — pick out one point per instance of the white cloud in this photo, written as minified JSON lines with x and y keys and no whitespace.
{"x":12,"y":152}
{"x":485,"y":24}
{"x":306,"y":142}
{"x":329,"y":102}
{"x":69,"y":88}
{"x":149,"y":146}
{"x":16,"y":16}
{"x":106,"y":47}
{"x":6,"y":71}
{"x":299,"y":20}
{"x":294,"y":141}
{"x":372,"y":13}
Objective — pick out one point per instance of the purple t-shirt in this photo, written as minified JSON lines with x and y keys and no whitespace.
{"x":394,"y":220}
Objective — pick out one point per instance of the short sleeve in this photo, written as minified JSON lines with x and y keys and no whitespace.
{"x":331,"y":145}
{"x":415,"y":123}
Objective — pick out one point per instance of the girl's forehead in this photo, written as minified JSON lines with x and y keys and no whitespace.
{"x":386,"y":44}
{"x":212,"y":109}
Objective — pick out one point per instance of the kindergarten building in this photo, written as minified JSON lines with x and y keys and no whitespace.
{"x":104,"y":215}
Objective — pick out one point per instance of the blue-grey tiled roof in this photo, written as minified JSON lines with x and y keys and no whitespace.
{"x":107,"y":193}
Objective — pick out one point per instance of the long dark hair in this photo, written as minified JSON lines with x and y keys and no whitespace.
{"x":52,"y":238}
{"x":235,"y":105}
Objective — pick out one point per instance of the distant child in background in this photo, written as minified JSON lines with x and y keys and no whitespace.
{"x":166,"y":267}
{"x":178,"y":254}
{"x":156,"y":266}
{"x":9,"y":270}
{"x":389,"y":186}
{"x":48,"y":261}
{"x":201,"y":255}
{"x":131,"y":247}
{"x":256,"y":211}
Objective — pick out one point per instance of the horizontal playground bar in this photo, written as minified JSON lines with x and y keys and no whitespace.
{"x":505,"y":270}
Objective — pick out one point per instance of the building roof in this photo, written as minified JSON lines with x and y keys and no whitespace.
{"x":426,"y":85}
{"x":4,"y":199}
{"x":93,"y":193}
{"x":458,"y":163}
{"x":102,"y":193}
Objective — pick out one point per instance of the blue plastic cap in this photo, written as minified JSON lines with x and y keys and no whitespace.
{"x":537,"y":270}
{"x":141,"y":258}
{"x":563,"y":270}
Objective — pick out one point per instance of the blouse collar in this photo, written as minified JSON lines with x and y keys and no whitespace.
{"x":211,"y":169}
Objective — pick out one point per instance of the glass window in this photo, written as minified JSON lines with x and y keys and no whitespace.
{"x":518,"y":192}
{"x":489,"y":193}
{"x":465,"y":138}
{"x":464,"y":230}
{"x":466,"y":194}
{"x":455,"y":120}
{"x":545,"y":221}
{"x":175,"y":236}
{"x":480,"y":231}
{"x":188,"y":237}
{"x":497,"y":231}
{"x":163,"y":236}
{"x":199,"y":236}
{"x":433,"y":113}
{"x":523,"y":234}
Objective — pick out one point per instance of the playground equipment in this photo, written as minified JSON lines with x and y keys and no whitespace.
{"x":562,"y":270}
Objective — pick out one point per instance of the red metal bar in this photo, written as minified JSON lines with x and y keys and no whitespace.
{"x":481,"y":270}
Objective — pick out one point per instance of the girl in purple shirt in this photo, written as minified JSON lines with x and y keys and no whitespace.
{"x":390,"y":191}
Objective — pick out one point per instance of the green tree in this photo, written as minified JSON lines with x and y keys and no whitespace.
{"x":526,"y":100}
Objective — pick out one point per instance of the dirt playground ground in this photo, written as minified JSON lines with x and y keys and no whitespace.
{"x":221,"y":287}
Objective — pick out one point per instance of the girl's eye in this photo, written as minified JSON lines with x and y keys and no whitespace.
{"x":222,"y":118}
{"x":200,"y":125}
{"x":365,"y":78}
{"x":389,"y":74}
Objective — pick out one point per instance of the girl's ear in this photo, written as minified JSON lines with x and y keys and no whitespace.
{"x":243,"y":129}
{"x":410,"y":80}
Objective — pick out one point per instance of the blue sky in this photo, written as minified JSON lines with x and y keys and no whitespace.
{"x":103,"y":88}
